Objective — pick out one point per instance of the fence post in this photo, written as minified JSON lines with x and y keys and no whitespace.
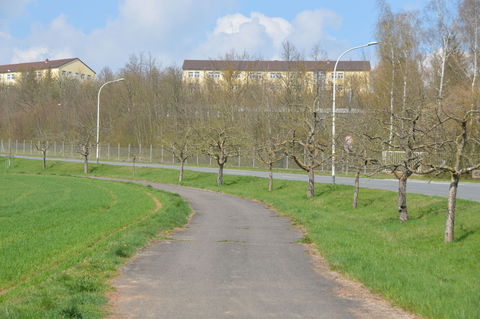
{"x":210,"y":161}
{"x":63,"y":148}
{"x":197,"y":159}
{"x":16,"y":147}
{"x":151,"y":152}
{"x":128,"y":153}
{"x":286,"y":162}
{"x":71,"y":150}
{"x":161,"y":158}
{"x":173,"y":158}
{"x":31,"y":147}
{"x":139,"y":151}
{"x":239,"y":160}
{"x":108,"y":151}
{"x":23,"y":146}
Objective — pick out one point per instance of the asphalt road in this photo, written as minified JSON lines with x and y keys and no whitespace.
{"x":236,"y":259}
{"x":470,"y":191}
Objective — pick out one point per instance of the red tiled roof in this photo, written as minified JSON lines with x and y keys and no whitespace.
{"x":272,"y":66}
{"x":42,"y":65}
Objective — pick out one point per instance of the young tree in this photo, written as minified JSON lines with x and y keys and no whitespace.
{"x":458,"y":154}
{"x":85,"y":145}
{"x":308,"y":144}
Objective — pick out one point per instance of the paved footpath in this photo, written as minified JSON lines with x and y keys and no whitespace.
{"x":236,"y":259}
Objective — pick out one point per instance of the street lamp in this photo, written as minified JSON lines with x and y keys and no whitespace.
{"x":333,"y":103}
{"x":98,"y":112}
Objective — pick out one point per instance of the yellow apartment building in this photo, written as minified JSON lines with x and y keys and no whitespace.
{"x":314,"y":73}
{"x":73,"y":68}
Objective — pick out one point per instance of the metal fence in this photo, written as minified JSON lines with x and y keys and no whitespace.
{"x":157,"y":154}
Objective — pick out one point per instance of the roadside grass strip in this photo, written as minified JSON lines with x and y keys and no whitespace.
{"x":409,"y":264}
{"x":62,"y":238}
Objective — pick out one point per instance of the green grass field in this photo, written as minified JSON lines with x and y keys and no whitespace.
{"x":407,"y":263}
{"x":62,"y":237}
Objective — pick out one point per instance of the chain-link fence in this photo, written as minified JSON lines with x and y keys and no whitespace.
{"x":158,"y":154}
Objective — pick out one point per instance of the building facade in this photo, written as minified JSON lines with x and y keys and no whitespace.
{"x":73,"y":68}
{"x":314,"y":73}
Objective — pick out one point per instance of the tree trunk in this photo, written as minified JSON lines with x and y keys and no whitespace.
{"x":402,"y":198}
{"x":452,"y":203}
{"x":85,"y":165}
{"x":311,"y":183}
{"x":44,"y":162}
{"x":180,"y":175}
{"x":270,"y":177}
{"x":357,"y":188}
{"x":220,"y":175}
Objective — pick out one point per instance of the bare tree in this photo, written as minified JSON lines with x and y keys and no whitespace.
{"x":43,"y":146}
{"x":180,"y":144}
{"x":458,"y":155}
{"x":85,"y":145}
{"x":308,"y":145}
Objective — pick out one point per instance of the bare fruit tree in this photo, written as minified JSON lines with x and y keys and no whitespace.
{"x":458,"y":158}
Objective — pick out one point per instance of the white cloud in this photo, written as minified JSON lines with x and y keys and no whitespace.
{"x":262,"y":35}
{"x":164,"y":28}
{"x":171,"y":30}
{"x":30,"y":54}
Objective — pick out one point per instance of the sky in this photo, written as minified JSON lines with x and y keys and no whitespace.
{"x":107,"y":32}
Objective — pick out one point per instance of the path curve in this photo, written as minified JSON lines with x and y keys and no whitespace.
{"x":236,"y":259}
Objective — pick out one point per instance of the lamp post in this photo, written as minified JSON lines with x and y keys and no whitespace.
{"x":98,"y":113}
{"x":333,"y":103}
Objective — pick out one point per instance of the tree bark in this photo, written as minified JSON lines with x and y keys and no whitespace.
{"x":44,"y":162}
{"x":182,"y":166}
{"x":452,"y":203}
{"x":270,"y":177}
{"x":85,"y":165}
{"x":220,"y":174}
{"x":357,"y":189}
{"x":402,"y":198}
{"x":311,"y":183}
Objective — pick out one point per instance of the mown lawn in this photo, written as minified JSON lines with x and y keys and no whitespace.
{"x":62,"y":237}
{"x":407,"y":263}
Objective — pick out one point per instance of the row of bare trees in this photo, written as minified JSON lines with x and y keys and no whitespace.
{"x":421,"y":104}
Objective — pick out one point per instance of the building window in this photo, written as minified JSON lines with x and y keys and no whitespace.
{"x":197,"y":74}
{"x":237,"y":75}
{"x":64,"y":73}
{"x":214,"y":75}
{"x":89,"y":77}
{"x":11,"y":76}
{"x":256,"y":75}
{"x":275,"y":75}
{"x":339,"y":75}
{"x":83,"y":76}
{"x":190,"y":74}
{"x":38,"y":74}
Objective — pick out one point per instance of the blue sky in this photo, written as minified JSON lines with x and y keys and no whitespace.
{"x":107,"y":32}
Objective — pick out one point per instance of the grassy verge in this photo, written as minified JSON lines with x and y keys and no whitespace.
{"x":63,"y":237}
{"x":407,"y":263}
